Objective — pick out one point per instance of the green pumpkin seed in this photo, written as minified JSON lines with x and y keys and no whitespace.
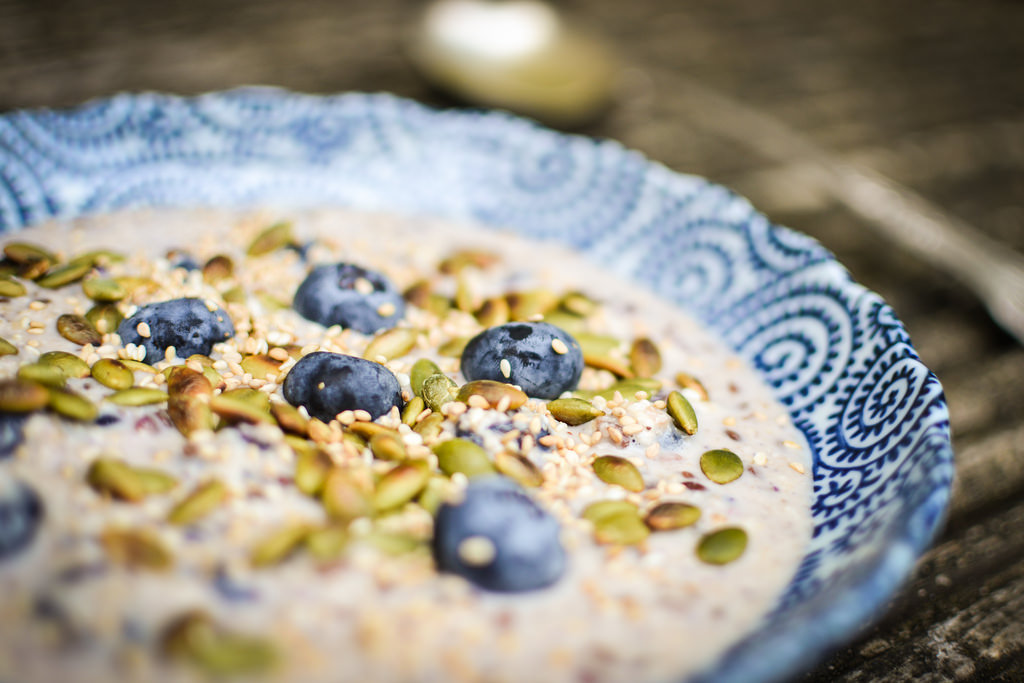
{"x":72,"y":406}
{"x":439,"y":305}
{"x":493,"y":392}
{"x":203,"y":500}
{"x":327,"y":543}
{"x":311,"y":469}
{"x":7,"y":348}
{"x":196,"y":640}
{"x":439,"y":390}
{"x":400,"y":485}
{"x":453,"y":348}
{"x":78,"y":329}
{"x":64,"y":275}
{"x":22,"y":396}
{"x":277,"y":236}
{"x":276,"y":547}
{"x":218,"y":268}
{"x":468,"y":257}
{"x":154,"y":481}
{"x":645,"y":358}
{"x":518,"y":468}
{"x":104,"y":290}
{"x":11,"y":288}
{"x":721,"y":466}
{"x":347,"y":494}
{"x":261,"y":365}
{"x":493,"y":312}
{"x":124,"y":482}
{"x":687,"y":381}
{"x":682,"y":413}
{"x":137,"y":396}
{"x":388,"y":447}
{"x":531,"y":304}
{"x":412,"y":408}
{"x":722,"y":546}
{"x":611,"y":469}
{"x":98,"y":257}
{"x":137,"y":285}
{"x":71,"y":365}
{"x":465,"y":297}
{"x":579,"y":304}
{"x":628,"y":388}
{"x":368,"y":430}
{"x":393,"y":343}
{"x":49,"y":375}
{"x":572,"y":324}
{"x":433,"y":494}
{"x":621,"y":528}
{"x":289,"y":418}
{"x":606,"y":508}
{"x":238,"y":405}
{"x":462,"y":455}
{"x":421,"y":370}
{"x":669,"y":516}
{"x":418,"y":294}
{"x":573,"y":411}
{"x":598,"y":344}
{"x":136,"y":549}
{"x":613,"y":364}
{"x":392,"y":543}
{"x":138,"y":366}
{"x":188,"y":402}
{"x":104,"y":317}
{"x":237,"y":295}
{"x":430,"y":427}
{"x":24,"y":253}
{"x":113,"y":374}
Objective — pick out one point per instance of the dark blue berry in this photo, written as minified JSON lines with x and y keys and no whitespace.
{"x":528,"y":553}
{"x":328,"y":383}
{"x":186,"y":324}
{"x":182,"y":259}
{"x":330,"y":295}
{"x":535,"y":365}
{"x":11,"y":425}
{"x":21,"y":511}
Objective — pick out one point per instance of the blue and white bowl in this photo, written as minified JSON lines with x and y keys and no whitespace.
{"x":834,"y":353}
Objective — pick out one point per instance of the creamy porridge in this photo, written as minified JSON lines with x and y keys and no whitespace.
{"x":167,"y":514}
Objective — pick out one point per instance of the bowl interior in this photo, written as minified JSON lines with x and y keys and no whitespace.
{"x":834,"y":353}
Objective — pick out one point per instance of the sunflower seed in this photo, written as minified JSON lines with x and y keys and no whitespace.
{"x":611,"y":469}
{"x":721,"y":465}
{"x":78,"y":329}
{"x":669,"y":516}
{"x":682,"y":413}
{"x":722,"y":546}
{"x":462,"y":455}
{"x":203,"y":500}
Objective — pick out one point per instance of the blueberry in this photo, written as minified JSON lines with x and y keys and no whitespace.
{"x":350,"y":296}
{"x":11,"y":425}
{"x":186,"y":324}
{"x":535,"y":365}
{"x":497,"y":514}
{"x":328,"y":383}
{"x":21,"y":511}
{"x":182,"y":259}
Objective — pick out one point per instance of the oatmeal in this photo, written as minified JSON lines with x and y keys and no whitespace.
{"x":341,"y":446}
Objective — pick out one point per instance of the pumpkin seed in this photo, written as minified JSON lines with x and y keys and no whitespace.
{"x":493,"y":392}
{"x":63,"y":275}
{"x":33,"y":270}
{"x":194,"y":638}
{"x":203,"y":500}
{"x":104,"y":317}
{"x":573,"y":411}
{"x":71,"y":365}
{"x":218,"y":268}
{"x":136,"y":549}
{"x":439,"y":305}
{"x":137,"y":396}
{"x":606,"y":508}
{"x":645,"y":358}
{"x":311,"y":469}
{"x":518,"y":468}
{"x":669,"y":516}
{"x":368,"y":430}
{"x":438,"y":390}
{"x":597,"y":344}
{"x":261,"y":365}
{"x":392,"y":343}
{"x":628,"y":388}
{"x":327,"y":543}
{"x":113,"y":374}
{"x":347,"y":494}
{"x":124,"y":482}
{"x":392,"y":543}
{"x":430,"y":427}
{"x":418,"y":294}
{"x":103,"y":289}
{"x":572,"y":324}
{"x":276,"y":547}
{"x":433,"y":494}
{"x":530,"y":304}
{"x":268,"y":300}
{"x":236,"y":295}
{"x":682,"y":413}
{"x":137,"y":285}
{"x":465,"y":297}
{"x":614,"y":365}
{"x":7,"y":348}
{"x":611,"y":469}
{"x":468,"y":257}
{"x":493,"y":312}
{"x":277,"y":236}
{"x":722,"y":546}
{"x":454,"y":347}
{"x":621,"y":528}
{"x":188,"y":403}
{"x":24,"y":253}
{"x":721,"y":465}
{"x":388,"y":447}
{"x":154,"y":481}
{"x":11,"y":288}
{"x":289,"y":418}
{"x":400,"y":485}
{"x":138,"y":366}
{"x":238,"y":405}
{"x":421,"y":370}
{"x":73,"y":406}
{"x":49,"y":375}
{"x":78,"y":329}
{"x":22,"y":396}
{"x":462,"y":455}
{"x":98,"y":257}
{"x":579,"y":304}
{"x":412,"y":408}
{"x":687,"y":381}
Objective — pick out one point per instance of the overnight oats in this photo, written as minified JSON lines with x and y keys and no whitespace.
{"x":336,"y":446}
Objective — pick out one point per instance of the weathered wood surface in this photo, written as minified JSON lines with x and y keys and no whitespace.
{"x":930,"y":92}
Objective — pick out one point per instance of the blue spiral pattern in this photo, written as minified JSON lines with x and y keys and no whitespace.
{"x":834,"y":353}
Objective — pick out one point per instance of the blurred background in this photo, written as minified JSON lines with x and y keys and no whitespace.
{"x":754,"y":94}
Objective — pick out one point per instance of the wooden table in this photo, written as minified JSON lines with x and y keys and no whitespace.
{"x":929,"y":92}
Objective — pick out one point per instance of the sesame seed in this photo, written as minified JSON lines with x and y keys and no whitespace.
{"x":797,"y":467}
{"x":505,"y":367}
{"x":559,"y":346}
{"x":321,"y":386}
{"x":363,"y":286}
{"x":386,"y":309}
{"x":477,"y":551}
{"x":362,"y":415}
{"x":760,"y":459}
